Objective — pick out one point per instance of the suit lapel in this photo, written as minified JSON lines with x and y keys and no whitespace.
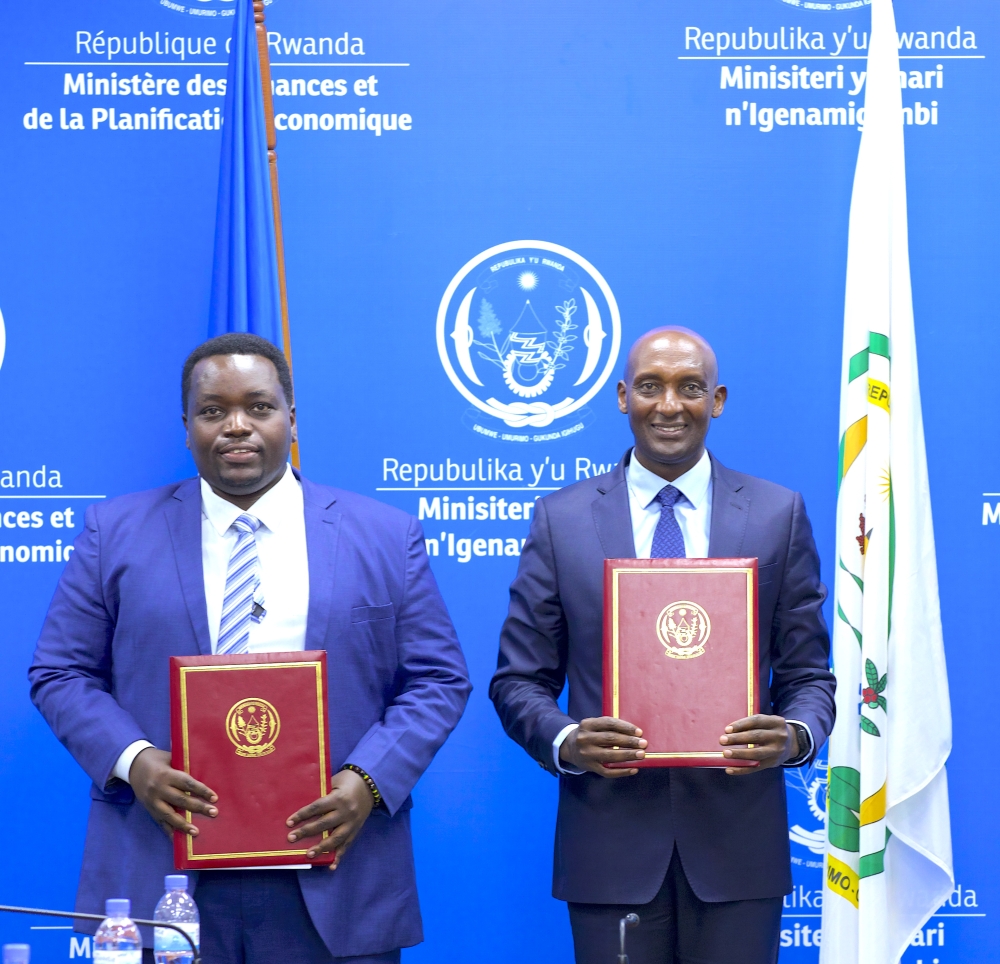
{"x":612,"y":515}
{"x":323,"y":522}
{"x":184,"y":522}
{"x":730,"y":512}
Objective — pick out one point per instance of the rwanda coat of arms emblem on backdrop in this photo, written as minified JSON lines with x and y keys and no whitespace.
{"x":528,"y":332}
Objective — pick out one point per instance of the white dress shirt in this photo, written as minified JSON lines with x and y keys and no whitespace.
{"x":694,"y":516}
{"x":693,"y":512}
{"x":284,"y":573}
{"x":284,"y":569}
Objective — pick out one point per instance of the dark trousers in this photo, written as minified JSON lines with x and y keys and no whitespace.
{"x":259,"y":917}
{"x":675,"y":927}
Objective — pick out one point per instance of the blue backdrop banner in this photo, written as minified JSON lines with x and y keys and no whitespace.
{"x":483,"y":206}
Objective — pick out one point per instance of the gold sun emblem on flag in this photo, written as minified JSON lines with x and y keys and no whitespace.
{"x":885,"y":484}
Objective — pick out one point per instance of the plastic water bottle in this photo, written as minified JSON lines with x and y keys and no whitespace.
{"x":16,"y":953}
{"x":117,"y":940}
{"x":176,"y":907}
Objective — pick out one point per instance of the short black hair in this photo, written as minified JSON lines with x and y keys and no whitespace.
{"x":238,"y":343}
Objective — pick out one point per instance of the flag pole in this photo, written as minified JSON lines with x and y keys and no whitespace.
{"x":272,"y":166}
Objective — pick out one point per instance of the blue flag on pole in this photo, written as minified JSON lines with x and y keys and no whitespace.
{"x":245,"y":294}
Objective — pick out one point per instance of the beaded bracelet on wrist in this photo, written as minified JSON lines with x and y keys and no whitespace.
{"x":369,"y":782}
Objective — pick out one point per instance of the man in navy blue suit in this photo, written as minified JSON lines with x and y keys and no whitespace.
{"x":701,"y":855}
{"x":251,"y":557}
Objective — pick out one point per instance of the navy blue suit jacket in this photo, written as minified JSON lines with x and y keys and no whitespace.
{"x":615,"y":838}
{"x":133,"y":594}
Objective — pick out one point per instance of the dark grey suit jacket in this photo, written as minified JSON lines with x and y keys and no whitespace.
{"x":615,"y":838}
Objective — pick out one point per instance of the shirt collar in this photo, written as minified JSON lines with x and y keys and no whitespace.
{"x":275,"y":508}
{"x":693,"y":484}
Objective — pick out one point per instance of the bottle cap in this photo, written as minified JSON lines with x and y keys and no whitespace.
{"x":16,"y":953}
{"x":117,"y":907}
{"x":175,"y":882}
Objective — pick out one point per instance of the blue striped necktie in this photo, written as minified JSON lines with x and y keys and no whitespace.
{"x":668,"y":540}
{"x":242,"y":581}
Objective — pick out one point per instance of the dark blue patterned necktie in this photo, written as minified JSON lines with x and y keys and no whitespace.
{"x":668,"y":542}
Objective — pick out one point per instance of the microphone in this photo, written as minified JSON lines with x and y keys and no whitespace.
{"x":100,"y":917}
{"x":628,"y":921}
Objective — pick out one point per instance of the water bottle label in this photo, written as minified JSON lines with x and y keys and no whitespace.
{"x":165,"y":939}
{"x":117,"y":957}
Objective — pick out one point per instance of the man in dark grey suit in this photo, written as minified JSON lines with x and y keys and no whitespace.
{"x":700,"y":854}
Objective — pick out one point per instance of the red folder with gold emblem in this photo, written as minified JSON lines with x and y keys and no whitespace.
{"x":252,"y":727}
{"x":680,"y":653}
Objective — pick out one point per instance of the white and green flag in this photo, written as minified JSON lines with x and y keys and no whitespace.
{"x":888,"y":863}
